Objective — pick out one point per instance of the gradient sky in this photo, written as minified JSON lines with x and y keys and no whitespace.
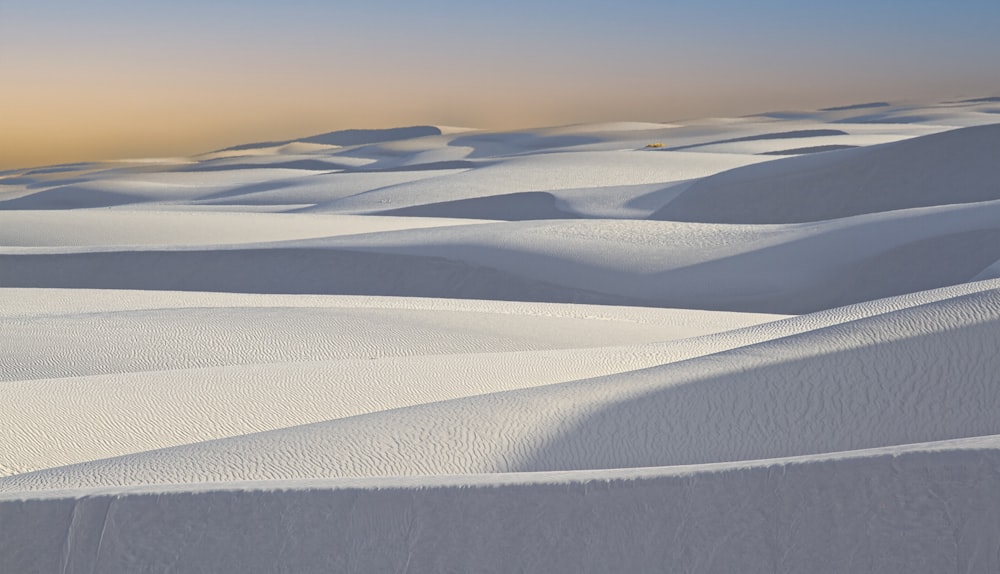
{"x":99,"y":79}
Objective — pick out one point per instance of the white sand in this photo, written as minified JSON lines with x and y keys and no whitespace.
{"x":556,"y":350}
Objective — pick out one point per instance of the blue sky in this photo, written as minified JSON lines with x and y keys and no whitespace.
{"x":140,"y":77}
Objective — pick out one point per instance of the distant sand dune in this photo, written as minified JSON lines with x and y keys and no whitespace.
{"x":857,"y":107}
{"x":772,"y":136}
{"x":958,"y":166}
{"x":522,"y":206}
{"x":795,"y":268}
{"x":351,"y":137}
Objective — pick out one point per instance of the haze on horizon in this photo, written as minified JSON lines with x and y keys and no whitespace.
{"x":112,"y":78}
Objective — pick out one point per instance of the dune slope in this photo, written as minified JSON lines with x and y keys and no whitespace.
{"x":957,"y":166}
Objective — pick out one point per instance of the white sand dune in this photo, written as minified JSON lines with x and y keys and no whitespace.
{"x":785,"y":269}
{"x":918,"y":374}
{"x":123,"y":411}
{"x":545,"y":173}
{"x":958,"y":166}
{"x":771,"y":344}
{"x":251,"y":360}
{"x":765,"y":516}
{"x":166,"y":338}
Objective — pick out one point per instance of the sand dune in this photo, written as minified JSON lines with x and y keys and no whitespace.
{"x":122,"y":411}
{"x":351,"y":137}
{"x":785,"y":269}
{"x":958,"y":166}
{"x":919,"y":374}
{"x":346,"y":356}
{"x":763,"y":516}
{"x":765,"y":343}
{"x":168,"y":228}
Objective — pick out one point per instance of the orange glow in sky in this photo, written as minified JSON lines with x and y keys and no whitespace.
{"x":109,"y":79}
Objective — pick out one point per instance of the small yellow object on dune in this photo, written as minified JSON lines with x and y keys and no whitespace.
{"x":656,"y":144}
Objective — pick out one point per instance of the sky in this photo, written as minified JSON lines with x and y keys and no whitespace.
{"x":105,"y":79}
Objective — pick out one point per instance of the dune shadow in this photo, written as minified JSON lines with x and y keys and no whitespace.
{"x":856,"y":107}
{"x":761,"y":137}
{"x":657,"y":199}
{"x":428,"y":166}
{"x":885,"y":119}
{"x":940,"y":261}
{"x":54,"y":183}
{"x":69,"y":197}
{"x":287,"y":271}
{"x":18,"y":180}
{"x":807,"y":150}
{"x":986,"y":100}
{"x":346,"y":138}
{"x":921,"y":265}
{"x":490,"y":145}
{"x":733,"y":408}
{"x":956,"y":166}
{"x":785,"y":115}
{"x":824,"y":517}
{"x":252,"y":188}
{"x":61,"y":168}
{"x":304,"y":164}
{"x":523,"y":206}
